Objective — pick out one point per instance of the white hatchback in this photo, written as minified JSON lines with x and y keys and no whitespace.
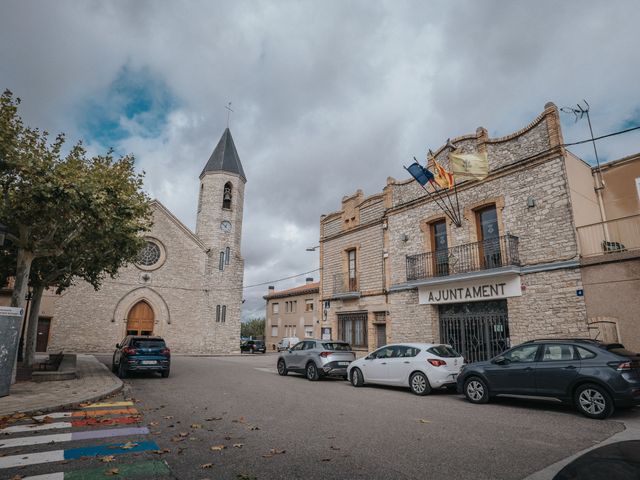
{"x":419,"y":366}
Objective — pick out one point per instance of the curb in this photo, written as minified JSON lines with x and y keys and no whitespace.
{"x":77,"y":403}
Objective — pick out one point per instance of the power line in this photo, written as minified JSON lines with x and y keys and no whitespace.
{"x":281,"y":279}
{"x":603,"y":136}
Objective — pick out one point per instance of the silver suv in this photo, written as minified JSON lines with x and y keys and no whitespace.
{"x":317,"y":358}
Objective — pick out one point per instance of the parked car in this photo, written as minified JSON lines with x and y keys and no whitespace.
{"x":596,"y":377}
{"x":316,"y":359}
{"x":141,"y":354}
{"x":253,"y":346}
{"x":287,"y":343}
{"x":419,"y":366}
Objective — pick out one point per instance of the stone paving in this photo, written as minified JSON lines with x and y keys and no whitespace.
{"x":94,"y":381}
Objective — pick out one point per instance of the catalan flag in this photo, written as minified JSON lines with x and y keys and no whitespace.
{"x":442,"y":177}
{"x":475,"y":165}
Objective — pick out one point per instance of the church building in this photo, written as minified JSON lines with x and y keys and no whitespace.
{"x":185,"y":286}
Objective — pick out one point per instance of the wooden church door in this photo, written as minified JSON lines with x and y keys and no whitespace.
{"x":140,"y":319}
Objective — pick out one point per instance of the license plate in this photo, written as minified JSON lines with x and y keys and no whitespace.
{"x":344,"y":364}
{"x":149,"y":362}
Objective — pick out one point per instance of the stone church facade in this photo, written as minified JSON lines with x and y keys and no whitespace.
{"x":185,"y":286}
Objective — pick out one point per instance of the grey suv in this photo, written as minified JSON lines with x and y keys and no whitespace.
{"x":596,"y":377}
{"x":316,"y":359}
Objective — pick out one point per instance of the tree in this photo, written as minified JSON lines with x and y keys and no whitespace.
{"x":253,"y":328}
{"x":76,"y":217}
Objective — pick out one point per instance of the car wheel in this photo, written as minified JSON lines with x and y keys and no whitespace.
{"x":419,"y":384}
{"x":476,"y":390}
{"x":357,"y":380}
{"x":282,"y":368}
{"x":593,"y":401}
{"x":165,"y":373}
{"x":312,"y":372}
{"x":122,"y":371}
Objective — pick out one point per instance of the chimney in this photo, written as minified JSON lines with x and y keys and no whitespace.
{"x":272,"y":290}
{"x":309,"y":280}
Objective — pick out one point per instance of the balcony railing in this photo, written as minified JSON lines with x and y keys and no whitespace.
{"x":487,"y":254}
{"x":612,"y":236}
{"x":344,"y":285}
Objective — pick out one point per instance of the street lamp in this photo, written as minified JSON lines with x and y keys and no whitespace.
{"x":312,"y":249}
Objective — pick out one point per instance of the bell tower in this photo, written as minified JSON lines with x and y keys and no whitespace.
{"x":221,"y":198}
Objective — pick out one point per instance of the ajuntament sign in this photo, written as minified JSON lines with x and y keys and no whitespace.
{"x":471,"y":291}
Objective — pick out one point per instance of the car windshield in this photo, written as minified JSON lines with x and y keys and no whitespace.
{"x":336,"y":346}
{"x":443,"y":351}
{"x":143,"y":343}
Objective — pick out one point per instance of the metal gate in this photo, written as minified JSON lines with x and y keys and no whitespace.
{"x":478,"y":330}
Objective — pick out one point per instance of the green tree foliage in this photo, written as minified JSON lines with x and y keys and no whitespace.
{"x":253,"y":328}
{"x":69,"y":217}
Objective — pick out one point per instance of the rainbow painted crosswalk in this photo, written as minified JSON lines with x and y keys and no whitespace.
{"x":89,"y":433}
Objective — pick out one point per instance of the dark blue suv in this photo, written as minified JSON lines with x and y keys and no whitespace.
{"x":596,"y":377}
{"x":141,"y":354}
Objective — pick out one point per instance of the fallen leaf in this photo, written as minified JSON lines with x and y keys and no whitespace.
{"x":326,"y":459}
{"x":212,"y":419}
{"x":112,"y":471}
{"x":168,"y":417}
{"x":17,"y":477}
{"x":184,"y":434}
{"x":153,"y":424}
{"x":129,"y":445}
{"x":181,"y":449}
{"x":196,"y":425}
{"x":161,"y":452}
{"x":108,"y":459}
{"x":206,"y":465}
{"x":422,"y":420}
{"x":238,"y":445}
{"x":217,"y":448}
{"x":334,"y":448}
{"x":253,"y":427}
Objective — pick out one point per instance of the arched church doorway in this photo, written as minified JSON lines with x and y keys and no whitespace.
{"x":140,"y":319}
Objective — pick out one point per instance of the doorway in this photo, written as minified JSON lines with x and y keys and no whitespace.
{"x":42,"y":338}
{"x":140,"y":319}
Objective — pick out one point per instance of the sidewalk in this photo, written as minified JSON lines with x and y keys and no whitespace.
{"x":94,"y":381}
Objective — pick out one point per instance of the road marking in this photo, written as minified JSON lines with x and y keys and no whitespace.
{"x":74,"y":454}
{"x":268,"y":370}
{"x":67,"y":437}
{"x":89,"y":413}
{"x":147,"y":469}
{"x":109,"y":404}
{"x":38,"y":427}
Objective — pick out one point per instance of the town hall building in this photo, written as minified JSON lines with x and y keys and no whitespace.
{"x":185,"y":286}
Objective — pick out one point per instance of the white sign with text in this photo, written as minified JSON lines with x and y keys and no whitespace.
{"x":471,"y":291}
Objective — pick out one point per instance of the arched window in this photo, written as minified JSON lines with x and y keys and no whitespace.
{"x":227,"y":254}
{"x":221,"y":263}
{"x":227,"y":195}
{"x":200,"y":197}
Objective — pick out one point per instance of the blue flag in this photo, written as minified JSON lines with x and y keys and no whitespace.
{"x":421,"y":174}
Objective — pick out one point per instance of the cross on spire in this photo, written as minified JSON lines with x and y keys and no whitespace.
{"x":228,"y":107}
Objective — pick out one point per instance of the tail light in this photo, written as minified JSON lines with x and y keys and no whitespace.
{"x":621,"y":366}
{"x":325,"y":354}
{"x":165,"y":351}
{"x":436,"y":362}
{"x":129,"y":351}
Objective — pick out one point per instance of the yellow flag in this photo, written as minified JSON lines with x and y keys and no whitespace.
{"x":473,"y":165}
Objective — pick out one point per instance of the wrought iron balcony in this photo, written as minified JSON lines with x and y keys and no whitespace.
{"x":620,"y":235}
{"x":471,"y":257}
{"x":344,"y":286}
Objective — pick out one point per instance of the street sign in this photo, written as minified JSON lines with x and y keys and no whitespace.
{"x":11,"y":312}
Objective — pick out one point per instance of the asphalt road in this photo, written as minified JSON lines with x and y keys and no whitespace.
{"x":264,"y":426}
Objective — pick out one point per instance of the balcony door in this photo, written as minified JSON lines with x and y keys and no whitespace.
{"x":353,"y":279}
{"x":440,"y":248}
{"x":488,"y":237}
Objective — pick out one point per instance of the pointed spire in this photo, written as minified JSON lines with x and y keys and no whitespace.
{"x":225,"y":157}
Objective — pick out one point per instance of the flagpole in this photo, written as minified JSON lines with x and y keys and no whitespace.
{"x":444,"y":208}
{"x":458,"y":220}
{"x":431,"y":196}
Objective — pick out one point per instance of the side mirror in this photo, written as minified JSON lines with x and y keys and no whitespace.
{"x":117,"y":345}
{"x":368,"y":357}
{"x":500,"y":360}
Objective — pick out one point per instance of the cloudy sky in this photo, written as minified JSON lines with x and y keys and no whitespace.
{"x":328,"y":96}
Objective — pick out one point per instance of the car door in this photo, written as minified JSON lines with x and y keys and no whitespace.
{"x":558,"y":367}
{"x":374,"y":367}
{"x":308,"y":349}
{"x":400,"y":365}
{"x":118,"y":352}
{"x":515,"y":373}
{"x":294,"y":357}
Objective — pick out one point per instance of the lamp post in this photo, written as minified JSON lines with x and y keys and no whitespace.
{"x":28,"y":298}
